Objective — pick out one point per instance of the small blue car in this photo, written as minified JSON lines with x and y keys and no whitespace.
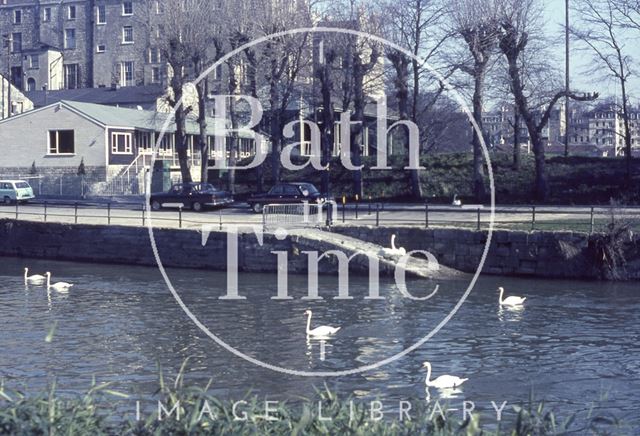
{"x":12,"y":191}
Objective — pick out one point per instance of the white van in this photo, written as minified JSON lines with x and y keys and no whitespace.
{"x":15,"y":190}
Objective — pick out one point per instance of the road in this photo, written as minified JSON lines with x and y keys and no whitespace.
{"x":518,"y":217}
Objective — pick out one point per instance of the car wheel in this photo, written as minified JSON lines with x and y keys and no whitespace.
{"x":155,"y":205}
{"x":257,"y":208}
{"x":196,"y":206}
{"x":7,"y":200}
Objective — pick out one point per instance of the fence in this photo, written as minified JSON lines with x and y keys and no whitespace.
{"x":585,"y":219}
{"x":296,"y":215}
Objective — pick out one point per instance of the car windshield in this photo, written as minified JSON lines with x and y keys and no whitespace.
{"x":207,"y":187}
{"x":22,"y":185}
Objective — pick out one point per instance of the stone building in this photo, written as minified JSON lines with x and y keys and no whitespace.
{"x":12,"y":101}
{"x":68,"y":44}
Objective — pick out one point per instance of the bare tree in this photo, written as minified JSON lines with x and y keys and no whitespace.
{"x":416,"y":25}
{"x":601,"y":31}
{"x":475,"y":22}
{"x":518,"y":18}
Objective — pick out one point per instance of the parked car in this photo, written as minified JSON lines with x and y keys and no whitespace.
{"x":12,"y":191}
{"x":195,"y":196}
{"x":285,"y":193}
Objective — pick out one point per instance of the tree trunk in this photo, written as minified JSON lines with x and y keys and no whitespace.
{"x":233,"y":139}
{"x":180,"y":135}
{"x":326,"y":132}
{"x":357,"y":127}
{"x":479,"y":190}
{"x":540,"y":186}
{"x":516,"y":138}
{"x":627,"y":132}
{"x":203,"y":90}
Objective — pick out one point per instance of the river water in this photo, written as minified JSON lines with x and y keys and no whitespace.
{"x":574,"y":344}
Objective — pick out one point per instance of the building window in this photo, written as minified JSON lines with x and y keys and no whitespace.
{"x":154,"y":55}
{"x":17,"y":16}
{"x":127,"y":8}
{"x":126,"y":73}
{"x":71,"y":12}
{"x":71,"y":76}
{"x":121,"y":143}
{"x":70,"y":38}
{"x":16,"y":42}
{"x":34,"y":62}
{"x":31,"y":84}
{"x":46,"y":15}
{"x":155,"y":75}
{"x":101,"y":48}
{"x":127,"y":35}
{"x":61,"y":142}
{"x":101,"y":14}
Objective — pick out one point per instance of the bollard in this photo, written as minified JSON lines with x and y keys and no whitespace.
{"x":592,"y":220}
{"x":369,"y":204}
{"x":45,"y":211}
{"x":180,"y":217}
{"x":220,"y":217}
{"x":378,"y":215}
{"x":109,"y":213}
{"x":344,"y":203}
{"x":75,"y":212}
{"x":533,"y":218}
{"x":143,"y":217}
{"x":478,"y":227}
{"x":426,"y":215}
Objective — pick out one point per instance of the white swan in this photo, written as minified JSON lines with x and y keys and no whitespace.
{"x":322,"y":331}
{"x":444,"y":381}
{"x":393,"y":251}
{"x":59,"y":286}
{"x":510,"y":301}
{"x":456,"y":201}
{"x":35,"y":279}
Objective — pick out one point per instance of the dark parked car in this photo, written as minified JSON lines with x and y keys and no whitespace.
{"x":285,"y":193}
{"x":195,"y":196}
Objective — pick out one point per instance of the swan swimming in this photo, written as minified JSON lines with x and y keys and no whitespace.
{"x":456,"y":201}
{"x":393,"y":251}
{"x":35,"y":279}
{"x":510,"y":301}
{"x":58,"y":286}
{"x":322,"y":331}
{"x":444,"y":381}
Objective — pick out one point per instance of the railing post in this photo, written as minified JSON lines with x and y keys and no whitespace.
{"x":45,"y":211}
{"x":143,"y":217}
{"x":343,"y":212}
{"x":478,"y":226}
{"x":220,"y":217}
{"x":356,"y":210}
{"x":180,"y":217}
{"x":17,"y":212}
{"x":592,"y":220}
{"x":426,"y":215}
{"x":264,"y":218}
{"x":533,"y":218}
{"x":109,"y":213}
{"x":377,"y":214}
{"x":75,"y":212}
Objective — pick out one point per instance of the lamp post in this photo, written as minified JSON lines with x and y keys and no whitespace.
{"x":566,"y":79}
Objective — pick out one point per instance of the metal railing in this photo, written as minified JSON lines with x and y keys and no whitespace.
{"x":526,"y":218}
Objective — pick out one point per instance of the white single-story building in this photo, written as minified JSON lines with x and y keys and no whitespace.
{"x":115,"y":144}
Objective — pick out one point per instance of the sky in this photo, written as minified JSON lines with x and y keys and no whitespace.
{"x":554,"y":18}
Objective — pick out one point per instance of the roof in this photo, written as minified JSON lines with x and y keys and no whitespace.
{"x":130,"y":96}
{"x":110,"y":116}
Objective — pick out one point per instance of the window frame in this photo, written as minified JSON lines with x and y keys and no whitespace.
{"x":104,"y":48}
{"x":101,"y":17}
{"x":34,"y":65}
{"x":66,"y":39}
{"x":57,"y":141}
{"x":46,"y":14}
{"x":124,"y":33}
{"x":70,"y":16}
{"x":14,"y":48}
{"x":124,"y":9}
{"x":128,"y":144}
{"x":17,"y":16}
{"x":123,"y":79}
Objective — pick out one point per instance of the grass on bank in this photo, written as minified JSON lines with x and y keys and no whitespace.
{"x":92,"y":413}
{"x":572,"y":180}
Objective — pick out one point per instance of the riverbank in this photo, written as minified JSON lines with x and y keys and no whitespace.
{"x":512,"y":253}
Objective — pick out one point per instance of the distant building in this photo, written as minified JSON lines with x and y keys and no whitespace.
{"x":12,"y":101}
{"x":145,"y":97}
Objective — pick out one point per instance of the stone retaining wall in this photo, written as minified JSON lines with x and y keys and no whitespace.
{"x":536,"y":253}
